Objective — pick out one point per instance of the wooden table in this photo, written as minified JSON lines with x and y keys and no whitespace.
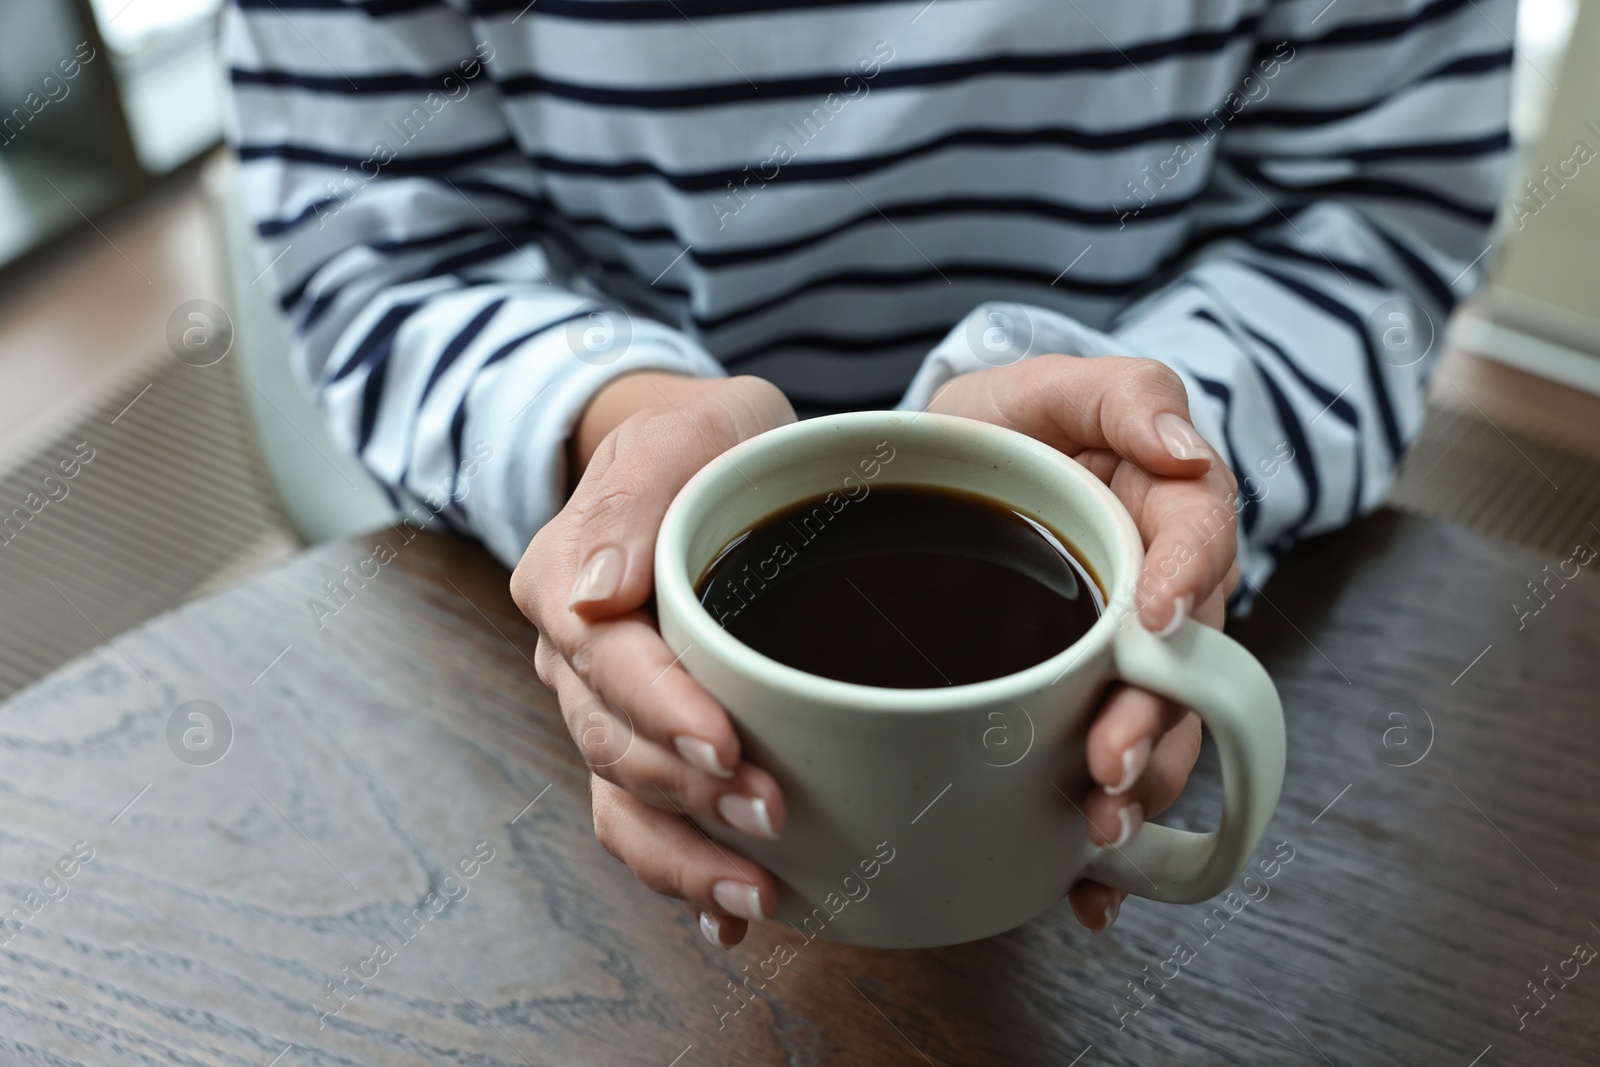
{"x":1440,"y":809}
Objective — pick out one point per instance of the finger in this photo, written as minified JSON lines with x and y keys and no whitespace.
{"x":654,"y":453}
{"x":628,"y":665}
{"x":1096,"y":906}
{"x":1214,"y":611}
{"x":1189,"y":527}
{"x":718,"y":927}
{"x":748,"y":800}
{"x":1124,"y":735}
{"x":1117,"y":820}
{"x":1170,"y":766}
{"x":672,"y":857}
{"x":1138,"y":408}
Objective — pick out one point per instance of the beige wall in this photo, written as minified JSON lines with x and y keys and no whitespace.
{"x":1546,"y":279}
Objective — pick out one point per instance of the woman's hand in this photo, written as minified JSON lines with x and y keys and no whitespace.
{"x":658,"y":745}
{"x":1127,"y":421}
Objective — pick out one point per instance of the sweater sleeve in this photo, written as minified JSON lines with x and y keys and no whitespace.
{"x":403,"y":232}
{"x":1353,"y":176}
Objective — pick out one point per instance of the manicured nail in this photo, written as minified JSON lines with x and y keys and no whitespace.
{"x":1130,"y":817}
{"x":1135,"y":758}
{"x":1113,"y":909}
{"x":711,"y":928}
{"x":1180,"y":612}
{"x":746,"y":813}
{"x":600,"y":578}
{"x":738,"y":898}
{"x":1181,"y":439}
{"x":701,"y":755}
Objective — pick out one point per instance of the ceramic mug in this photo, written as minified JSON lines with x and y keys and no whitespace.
{"x":922,"y":817}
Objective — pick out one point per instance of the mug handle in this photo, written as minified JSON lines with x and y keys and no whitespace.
{"x":1202,"y":668}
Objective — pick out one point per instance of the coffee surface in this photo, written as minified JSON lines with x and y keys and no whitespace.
{"x":902,"y":587}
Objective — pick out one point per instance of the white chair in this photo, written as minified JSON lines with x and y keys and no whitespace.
{"x":325,"y":492}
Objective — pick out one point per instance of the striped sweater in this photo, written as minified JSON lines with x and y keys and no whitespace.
{"x":478,"y":212}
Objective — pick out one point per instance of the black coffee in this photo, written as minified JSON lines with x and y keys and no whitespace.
{"x":902,"y":587}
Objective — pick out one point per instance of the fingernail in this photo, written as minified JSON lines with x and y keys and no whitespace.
{"x":1113,"y":909}
{"x":1131,"y":817}
{"x":1181,"y":439}
{"x":1135,"y":758}
{"x":600,"y":578}
{"x":711,"y":928}
{"x":746,"y":813}
{"x":738,"y":898}
{"x":1180,"y":612}
{"x":702,"y":755}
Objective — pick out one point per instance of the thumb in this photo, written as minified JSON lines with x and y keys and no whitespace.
{"x":1137,"y":408}
{"x":619,"y":505}
{"x":618,"y":508}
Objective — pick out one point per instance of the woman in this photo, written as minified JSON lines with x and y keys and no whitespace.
{"x":523,"y":244}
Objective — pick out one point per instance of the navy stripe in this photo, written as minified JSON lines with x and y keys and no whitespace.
{"x":1302,"y":463}
{"x":458,"y":421}
{"x":1380,"y":387}
{"x":936,"y":274}
{"x":1431,"y":280}
{"x":377,"y":344}
{"x":650,"y":10}
{"x":589,"y":10}
{"x":1317,"y":259}
{"x":822,"y":342}
{"x":426,"y":164}
{"x":278,"y":227}
{"x":400,"y":246}
{"x":1469,"y":149}
{"x":1201,"y":236}
{"x":1335,"y":403}
{"x":458,"y":424}
{"x":1389,"y":189}
{"x":1365,"y":186}
{"x":1250,"y":507}
{"x":945,"y":206}
{"x":452,"y":351}
{"x":716,"y":94}
{"x":832,"y":170}
{"x":1382,"y":30}
{"x":810,"y":409}
{"x":355,"y":84}
{"x":502,"y":244}
{"x":1292,"y":431}
{"x":371,"y":8}
{"x":457,"y":345}
{"x":490,"y":248}
{"x":1359,"y":485}
{"x":390,"y":493}
{"x":314,"y":311}
{"x":1298,"y":117}
{"x":269,"y":228}
{"x":1341,"y":408}
{"x":373,"y":353}
{"x":372,"y":397}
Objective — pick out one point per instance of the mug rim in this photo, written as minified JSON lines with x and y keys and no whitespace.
{"x":674,"y":583}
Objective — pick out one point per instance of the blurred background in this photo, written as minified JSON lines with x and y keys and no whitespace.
{"x":137,"y":350}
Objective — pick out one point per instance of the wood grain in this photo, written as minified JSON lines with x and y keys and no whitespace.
{"x":372,"y":755}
